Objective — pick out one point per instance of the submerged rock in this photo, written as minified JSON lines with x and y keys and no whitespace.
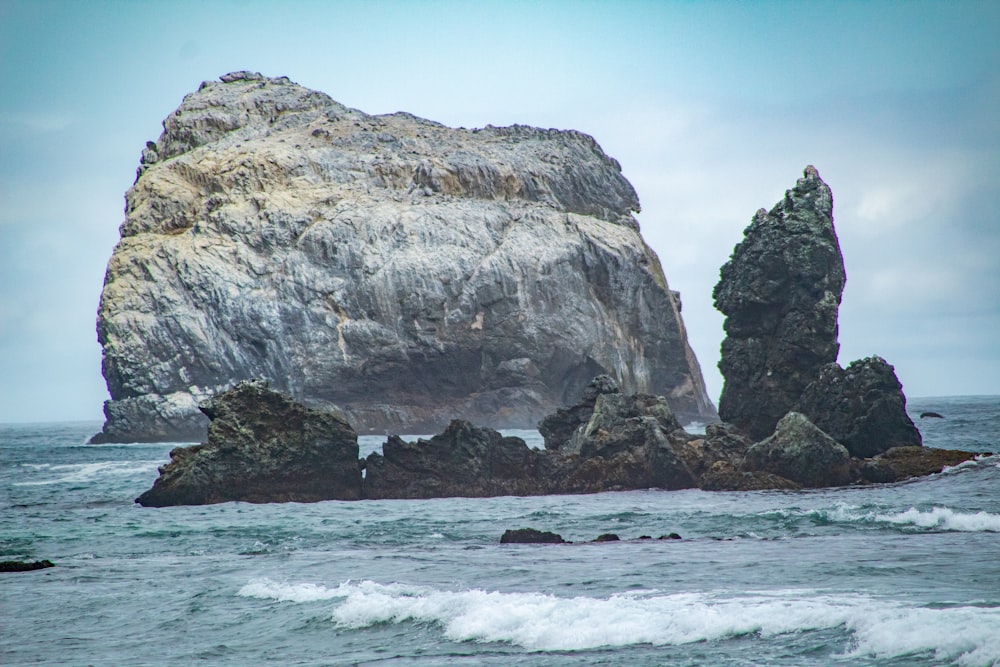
{"x":262,"y":447}
{"x":780,"y":292}
{"x":406,"y":272}
{"x":862,"y":407}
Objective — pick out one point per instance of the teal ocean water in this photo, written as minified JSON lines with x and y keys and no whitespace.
{"x":902,"y":574}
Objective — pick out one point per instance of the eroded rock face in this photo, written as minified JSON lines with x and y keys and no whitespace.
{"x":262,"y":447}
{"x":463,"y":461}
{"x":802,"y":453}
{"x":406,"y":272}
{"x":558,"y":427}
{"x":780,"y":292}
{"x":862,"y":407}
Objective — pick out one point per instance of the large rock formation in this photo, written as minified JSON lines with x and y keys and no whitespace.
{"x":406,"y":272}
{"x":262,"y":447}
{"x":862,"y":407}
{"x":780,"y":292}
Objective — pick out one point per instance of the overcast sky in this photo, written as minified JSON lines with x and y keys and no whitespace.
{"x":712,"y":108}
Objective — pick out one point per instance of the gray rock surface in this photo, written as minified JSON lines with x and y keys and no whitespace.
{"x":780,"y":292}
{"x":403,"y":271}
{"x":861,"y":407}
{"x":262,"y":447}
{"x":558,"y":427}
{"x":802,"y":453}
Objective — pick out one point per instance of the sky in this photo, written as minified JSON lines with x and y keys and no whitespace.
{"x":712,"y":108}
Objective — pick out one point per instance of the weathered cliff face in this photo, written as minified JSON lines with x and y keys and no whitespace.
{"x":405,"y":272}
{"x":780,"y":292}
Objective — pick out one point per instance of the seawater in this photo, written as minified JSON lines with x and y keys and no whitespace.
{"x":901,"y":574}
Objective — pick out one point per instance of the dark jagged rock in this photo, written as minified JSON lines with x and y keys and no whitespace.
{"x":625,"y":444}
{"x":607,"y":537}
{"x":464,"y":460}
{"x":721,"y":444}
{"x":24,"y":566}
{"x":671,"y":536}
{"x":632,"y":434}
{"x":802,"y":453}
{"x":931,"y":415}
{"x":862,"y":407}
{"x":262,"y":447}
{"x":405,"y":272}
{"x":530,"y":536}
{"x":780,"y":292}
{"x":558,"y":427}
{"x":901,"y":463}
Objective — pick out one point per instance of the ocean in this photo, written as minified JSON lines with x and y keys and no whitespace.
{"x":901,"y":574}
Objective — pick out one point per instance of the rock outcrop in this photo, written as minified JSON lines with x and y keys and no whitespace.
{"x":862,"y":407}
{"x":405,"y":272}
{"x":780,"y":292}
{"x":262,"y":447}
{"x":530,"y":536}
{"x":558,"y":427}
{"x":265,"y":447}
{"x":464,"y":460}
{"x":802,"y":453}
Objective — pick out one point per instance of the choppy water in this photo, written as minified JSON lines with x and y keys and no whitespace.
{"x":904,"y":574}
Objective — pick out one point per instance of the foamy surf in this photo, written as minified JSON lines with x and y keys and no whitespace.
{"x":935,"y":518}
{"x":542,"y":622}
{"x":85,"y":472}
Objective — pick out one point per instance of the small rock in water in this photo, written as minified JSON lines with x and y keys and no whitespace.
{"x":934,"y":415}
{"x":671,"y":536}
{"x":530,"y":536}
{"x":607,"y":537}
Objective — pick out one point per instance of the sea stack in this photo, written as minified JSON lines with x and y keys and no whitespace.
{"x":780,"y":292}
{"x":399,"y":270}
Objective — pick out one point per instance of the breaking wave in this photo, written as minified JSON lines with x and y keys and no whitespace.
{"x":936,"y":518}
{"x":84,"y":472}
{"x":542,"y":622}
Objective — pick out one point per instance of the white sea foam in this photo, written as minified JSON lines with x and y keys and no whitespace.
{"x":944,"y":518}
{"x":543,"y":622}
{"x":86,"y":472}
{"x":936,"y":518}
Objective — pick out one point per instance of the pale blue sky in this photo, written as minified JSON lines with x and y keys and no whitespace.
{"x":713,"y":109}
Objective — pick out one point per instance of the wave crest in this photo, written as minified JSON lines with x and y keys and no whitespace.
{"x":542,"y":622}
